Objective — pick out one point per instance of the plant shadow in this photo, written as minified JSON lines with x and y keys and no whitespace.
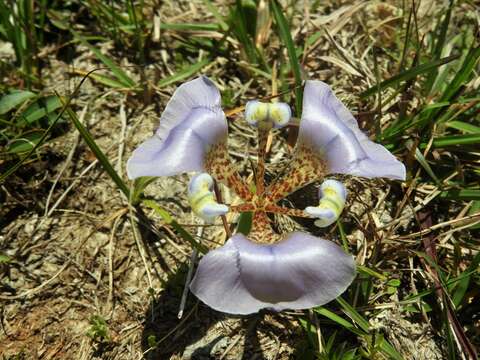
{"x":203,"y":333}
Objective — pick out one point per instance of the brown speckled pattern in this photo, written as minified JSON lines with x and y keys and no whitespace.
{"x":262,"y":231}
{"x":305,"y":167}
{"x":219,"y":165}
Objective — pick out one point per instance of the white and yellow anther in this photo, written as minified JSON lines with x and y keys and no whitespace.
{"x":258,"y":113}
{"x":202,"y":198}
{"x":332,"y":201}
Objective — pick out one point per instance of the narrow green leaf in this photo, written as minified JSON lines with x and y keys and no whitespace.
{"x":12,"y":100}
{"x":164,"y":214}
{"x":454,"y":140}
{"x":353,"y":314}
{"x":462,"y":285}
{"x":25,"y":143}
{"x":138,"y":186}
{"x":286,"y":36}
{"x":190,"y":27}
{"x":461,"y":194}
{"x":239,"y":28}
{"x":370,"y":272}
{"x":343,"y":236}
{"x":339,"y":320}
{"x":407,"y":75}
{"x":105,"y":80}
{"x":213,"y":9}
{"x":385,"y":346}
{"x":463,"y":126}
{"x":463,"y":75}
{"x":37,"y":110}
{"x":188,"y":237}
{"x":88,"y":138}
{"x":389,"y":350}
{"x":426,"y":166}
{"x":475,"y":209}
{"x":439,"y":45}
{"x":114,"y":68}
{"x":414,"y":298}
{"x":17,"y":165}
{"x":183,"y":74}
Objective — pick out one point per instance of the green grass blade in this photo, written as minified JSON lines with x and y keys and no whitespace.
{"x":454,"y":140}
{"x":25,"y":142}
{"x":461,"y":194}
{"x":184,"y":73}
{"x":286,"y":37}
{"x":165,"y":215}
{"x":439,"y":46}
{"x":463,"y":126}
{"x":12,"y":100}
{"x":188,"y":237}
{"x":139,"y":186}
{"x":353,"y":314}
{"x":343,"y":236}
{"x":389,"y":350}
{"x":407,"y":75}
{"x":426,"y":166}
{"x":213,"y":9}
{"x":462,"y":286}
{"x":88,"y":138}
{"x":114,"y":68}
{"x":385,"y":346}
{"x":463,"y":75}
{"x":339,"y":320}
{"x":190,"y":27}
{"x":367,"y":271}
{"x":66,"y":104}
{"x":38,"y":110}
{"x":239,"y":28}
{"x":105,"y":80}
{"x":475,"y":209}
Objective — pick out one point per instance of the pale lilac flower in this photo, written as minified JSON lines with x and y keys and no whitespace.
{"x":299,"y":272}
{"x":331,"y":130}
{"x":191,"y":124}
{"x":265,"y":270}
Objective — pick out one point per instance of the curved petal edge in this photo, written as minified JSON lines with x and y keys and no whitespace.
{"x":192,"y":122}
{"x":329,"y":127}
{"x":299,"y":272}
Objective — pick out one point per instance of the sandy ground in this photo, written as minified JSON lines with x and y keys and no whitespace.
{"x":69,"y":232}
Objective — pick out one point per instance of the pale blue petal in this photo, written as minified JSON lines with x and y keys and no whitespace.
{"x":329,"y":127}
{"x":215,"y":209}
{"x":192,"y":121}
{"x":299,"y":272}
{"x":183,"y":151}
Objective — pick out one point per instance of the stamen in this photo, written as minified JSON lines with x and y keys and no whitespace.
{"x":276,"y":114}
{"x":332,"y":201}
{"x":202,"y":198}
